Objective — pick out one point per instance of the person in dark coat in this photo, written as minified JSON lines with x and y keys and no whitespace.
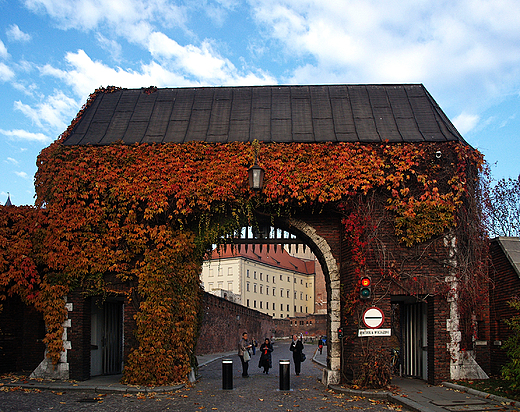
{"x":297,"y":349}
{"x":254,"y":345}
{"x":265,"y":356}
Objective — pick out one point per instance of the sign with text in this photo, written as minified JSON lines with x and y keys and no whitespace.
{"x":374,"y":332}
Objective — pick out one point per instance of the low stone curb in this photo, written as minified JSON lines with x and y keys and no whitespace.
{"x":117,"y":388}
{"x":481,"y":394}
{"x":365,"y":394}
{"x":60,"y":387}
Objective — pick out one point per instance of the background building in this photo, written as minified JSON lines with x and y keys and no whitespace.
{"x":266,"y":279}
{"x":320,"y":289}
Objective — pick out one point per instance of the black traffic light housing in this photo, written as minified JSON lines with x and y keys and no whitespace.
{"x":340,"y":333}
{"x":365,"y":290}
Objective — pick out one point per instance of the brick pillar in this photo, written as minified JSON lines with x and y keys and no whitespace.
{"x":79,"y":336}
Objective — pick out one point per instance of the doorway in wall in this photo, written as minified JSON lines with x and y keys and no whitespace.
{"x":106,"y":342}
{"x":414,"y":339}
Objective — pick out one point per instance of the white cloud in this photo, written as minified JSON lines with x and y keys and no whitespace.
{"x":137,"y":22}
{"x":191,"y":66}
{"x":505,"y":122}
{"x":15,"y":34}
{"x":51,"y":112}
{"x":6,"y":73}
{"x":465,"y":122}
{"x":11,"y":160}
{"x":119,"y":15}
{"x":111,"y":46}
{"x":201,"y":62}
{"x":86,"y":75}
{"x":3,"y":51}
{"x":469,"y":46}
{"x":23,"y":175}
{"x":25,"y":135}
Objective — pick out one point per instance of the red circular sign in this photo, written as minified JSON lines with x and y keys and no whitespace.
{"x":373,"y":318}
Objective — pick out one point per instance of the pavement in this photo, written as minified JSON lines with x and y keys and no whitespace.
{"x":411,"y":394}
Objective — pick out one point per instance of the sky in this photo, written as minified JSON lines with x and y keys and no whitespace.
{"x":54,"y":53}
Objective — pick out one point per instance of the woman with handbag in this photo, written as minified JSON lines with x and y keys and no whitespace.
{"x":243,"y":354}
{"x":265,"y":356}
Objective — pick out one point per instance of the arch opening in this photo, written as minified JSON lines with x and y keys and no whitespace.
{"x":305,"y":233}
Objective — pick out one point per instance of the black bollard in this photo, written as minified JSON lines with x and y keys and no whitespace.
{"x":285,"y":374}
{"x":227,"y":374}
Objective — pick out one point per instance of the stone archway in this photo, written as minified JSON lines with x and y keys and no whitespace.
{"x":323,"y":251}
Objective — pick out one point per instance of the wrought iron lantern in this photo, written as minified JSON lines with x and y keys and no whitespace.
{"x":256,"y":177}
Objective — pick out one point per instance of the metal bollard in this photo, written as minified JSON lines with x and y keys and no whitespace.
{"x":227,"y":374}
{"x":285,"y":374}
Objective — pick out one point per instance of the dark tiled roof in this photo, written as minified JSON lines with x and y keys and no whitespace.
{"x":511,"y":248}
{"x":333,"y":113}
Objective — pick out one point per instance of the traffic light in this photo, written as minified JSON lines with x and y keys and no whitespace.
{"x":365,"y":291}
{"x":340,"y":333}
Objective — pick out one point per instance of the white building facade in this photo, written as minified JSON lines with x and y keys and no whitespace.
{"x":272,"y":282}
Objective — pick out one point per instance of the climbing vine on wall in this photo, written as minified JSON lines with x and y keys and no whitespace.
{"x":146,"y":214}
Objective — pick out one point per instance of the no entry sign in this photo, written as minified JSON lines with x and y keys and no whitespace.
{"x":373,"y":318}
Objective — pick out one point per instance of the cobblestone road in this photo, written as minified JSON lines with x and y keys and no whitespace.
{"x":257,"y":393}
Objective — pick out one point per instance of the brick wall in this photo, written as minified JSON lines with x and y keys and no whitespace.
{"x":223,"y":323}
{"x":21,"y":332}
{"x":504,"y":285}
{"x":79,"y":336}
{"x":438,"y":355}
{"x":310,"y":326}
{"x":420,"y":273}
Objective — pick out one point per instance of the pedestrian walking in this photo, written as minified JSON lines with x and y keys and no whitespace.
{"x":320,"y":345}
{"x":243,"y":354}
{"x":297,"y":349}
{"x":254,"y":345}
{"x":265,"y":356}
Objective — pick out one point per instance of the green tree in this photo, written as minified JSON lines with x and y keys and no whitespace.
{"x":511,"y":371}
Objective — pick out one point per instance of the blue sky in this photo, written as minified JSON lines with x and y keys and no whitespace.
{"x":54,"y":53}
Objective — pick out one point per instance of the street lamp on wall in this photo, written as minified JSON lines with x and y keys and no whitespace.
{"x":256,"y":177}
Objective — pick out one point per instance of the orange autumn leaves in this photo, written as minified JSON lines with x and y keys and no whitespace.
{"x":145,"y":214}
